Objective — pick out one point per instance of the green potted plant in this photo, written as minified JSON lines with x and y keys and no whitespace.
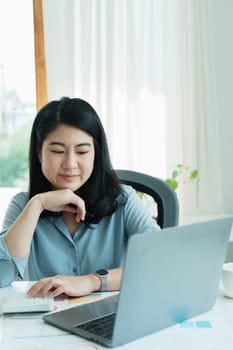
{"x":181,"y":173}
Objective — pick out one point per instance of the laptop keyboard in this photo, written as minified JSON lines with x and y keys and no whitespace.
{"x":101,"y":326}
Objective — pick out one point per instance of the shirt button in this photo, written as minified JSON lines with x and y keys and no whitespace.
{"x":75,"y":270}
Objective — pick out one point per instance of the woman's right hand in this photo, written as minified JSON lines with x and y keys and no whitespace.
{"x":63,"y":200}
{"x":19,"y":237}
{"x":57,"y":200}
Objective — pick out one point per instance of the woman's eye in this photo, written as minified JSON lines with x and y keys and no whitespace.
{"x":83,"y":152}
{"x":56,"y":151}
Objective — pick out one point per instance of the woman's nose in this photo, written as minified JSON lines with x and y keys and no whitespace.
{"x":70,"y":161}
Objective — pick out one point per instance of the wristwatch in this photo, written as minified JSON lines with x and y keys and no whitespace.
{"x":102,"y":275}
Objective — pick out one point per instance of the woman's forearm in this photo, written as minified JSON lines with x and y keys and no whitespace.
{"x":75,"y":285}
{"x":114,"y":279}
{"x":19,"y":236}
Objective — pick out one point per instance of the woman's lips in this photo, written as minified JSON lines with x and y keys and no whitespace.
{"x":68,"y":178}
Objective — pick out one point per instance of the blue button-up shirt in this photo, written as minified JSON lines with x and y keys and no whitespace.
{"x":54,"y":251}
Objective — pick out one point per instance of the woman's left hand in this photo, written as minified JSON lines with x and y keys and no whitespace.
{"x":69,"y":285}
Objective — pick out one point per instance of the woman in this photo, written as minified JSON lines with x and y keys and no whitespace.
{"x":69,"y":231}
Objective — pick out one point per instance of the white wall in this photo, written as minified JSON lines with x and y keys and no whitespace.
{"x":223,"y":24}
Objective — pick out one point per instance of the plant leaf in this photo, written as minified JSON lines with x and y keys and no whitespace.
{"x":175,"y":173}
{"x":179,"y":166}
{"x":172,"y":183}
{"x":193,"y":175}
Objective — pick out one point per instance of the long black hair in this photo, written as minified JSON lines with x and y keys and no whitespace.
{"x":103,"y":187}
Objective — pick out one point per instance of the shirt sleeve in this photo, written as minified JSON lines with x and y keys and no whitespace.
{"x":138,"y":219}
{"x":11,"y":267}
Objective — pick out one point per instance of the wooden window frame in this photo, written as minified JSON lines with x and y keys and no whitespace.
{"x":40,"y":59}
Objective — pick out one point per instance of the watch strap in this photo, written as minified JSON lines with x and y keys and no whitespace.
{"x":102,"y":275}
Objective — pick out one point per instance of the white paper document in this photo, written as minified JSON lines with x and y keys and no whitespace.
{"x":209,"y":331}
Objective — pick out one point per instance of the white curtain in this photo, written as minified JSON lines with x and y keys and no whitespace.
{"x":148,"y":68}
{"x":118,"y":68}
{"x":193,"y":110}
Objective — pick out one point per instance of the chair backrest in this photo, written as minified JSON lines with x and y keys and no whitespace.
{"x":164,"y":196}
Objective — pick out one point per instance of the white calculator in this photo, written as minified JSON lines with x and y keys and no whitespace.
{"x":19,"y":302}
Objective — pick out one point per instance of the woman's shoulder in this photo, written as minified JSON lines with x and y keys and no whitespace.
{"x":13,"y":207}
{"x":20,"y":198}
{"x":128,"y":193}
{"x":127,"y":190}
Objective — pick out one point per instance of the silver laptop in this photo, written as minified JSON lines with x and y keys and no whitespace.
{"x":169,"y":276}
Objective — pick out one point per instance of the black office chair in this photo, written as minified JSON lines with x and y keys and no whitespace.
{"x":164,"y":196}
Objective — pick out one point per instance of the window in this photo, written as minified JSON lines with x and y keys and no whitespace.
{"x":17,"y":95}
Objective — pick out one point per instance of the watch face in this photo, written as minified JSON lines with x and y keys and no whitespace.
{"x":102,"y":272}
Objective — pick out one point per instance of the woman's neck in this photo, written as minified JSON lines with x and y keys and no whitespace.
{"x":70,"y":221}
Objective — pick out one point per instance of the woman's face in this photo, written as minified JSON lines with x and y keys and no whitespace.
{"x":67,"y":157}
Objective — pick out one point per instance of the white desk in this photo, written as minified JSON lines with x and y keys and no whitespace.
{"x":225,"y":304}
{"x":20,"y":333}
